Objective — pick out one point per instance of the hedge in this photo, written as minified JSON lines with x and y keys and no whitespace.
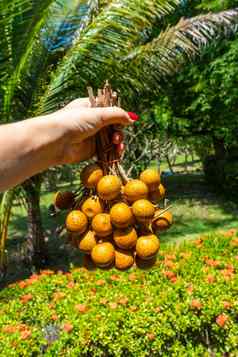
{"x":187,"y":305}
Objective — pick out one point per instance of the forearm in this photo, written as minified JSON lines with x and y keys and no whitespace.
{"x":29,"y":147}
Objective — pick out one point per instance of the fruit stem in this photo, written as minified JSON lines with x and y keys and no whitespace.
{"x":161,"y":213}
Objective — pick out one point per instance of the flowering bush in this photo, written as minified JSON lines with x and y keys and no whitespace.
{"x":187,"y":305}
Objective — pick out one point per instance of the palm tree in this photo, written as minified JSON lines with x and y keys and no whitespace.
{"x":53,"y":49}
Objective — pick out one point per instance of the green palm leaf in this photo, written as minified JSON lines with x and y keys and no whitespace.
{"x":147,"y":66}
{"x":119,"y":27}
{"x":6,"y":206}
{"x":28,"y":75}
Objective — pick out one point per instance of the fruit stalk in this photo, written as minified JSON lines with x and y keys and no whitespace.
{"x":107,"y":154}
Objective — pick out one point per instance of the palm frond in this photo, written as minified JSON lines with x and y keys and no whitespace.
{"x":145,"y":67}
{"x":116,"y":29}
{"x":55,"y":30}
{"x":5,"y":214}
{"x":18,"y":19}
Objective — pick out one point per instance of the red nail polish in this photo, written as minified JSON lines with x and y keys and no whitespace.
{"x":117,"y":137}
{"x":120,"y":148}
{"x":133,"y":116}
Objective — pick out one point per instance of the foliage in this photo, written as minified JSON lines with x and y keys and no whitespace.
{"x":186,"y":305}
{"x":52,"y":49}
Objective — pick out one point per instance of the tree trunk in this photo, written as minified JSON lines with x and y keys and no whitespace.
{"x":219,"y":148}
{"x":35,"y":237}
{"x":169,"y":164}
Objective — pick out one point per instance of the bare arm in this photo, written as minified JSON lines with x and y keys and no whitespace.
{"x":66,"y":136}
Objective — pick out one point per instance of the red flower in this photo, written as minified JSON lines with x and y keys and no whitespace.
{"x":198,"y":242}
{"x":82,"y":308}
{"x":94,"y":290}
{"x":151,"y":336}
{"x":115,"y":277}
{"x":68,"y":327}
{"x":25,"y":334}
{"x":9,"y":329}
{"x":221,"y":320}
{"x":196,"y":304}
{"x":100,"y":282}
{"x":54,"y":317}
{"x":132,"y":277}
{"x":70,"y":285}
{"x":190,"y":289}
{"x":213,"y":263}
{"x":22,"y":284}
{"x":26,"y":298}
{"x":227,"y":305}
{"x":32,"y":279}
{"x":227,"y":274}
{"x":173,"y":279}
{"x":169,"y":274}
{"x":46,"y":272}
{"x":210,"y":279}
{"x":230,"y":267}
{"x":234,"y":242}
{"x":229,"y":233}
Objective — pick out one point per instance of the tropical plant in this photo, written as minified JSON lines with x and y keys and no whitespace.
{"x":52,"y":49}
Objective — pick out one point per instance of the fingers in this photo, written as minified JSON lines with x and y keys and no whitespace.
{"x":82,"y":151}
{"x":112,"y":116}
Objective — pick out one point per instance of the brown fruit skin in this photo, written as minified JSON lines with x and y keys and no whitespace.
{"x":135,"y":190}
{"x":121,"y":215}
{"x":92,"y":206}
{"x":163,"y":222}
{"x":147,"y":246}
{"x":125,"y":238}
{"x":101,"y":224}
{"x":151,"y":177}
{"x":158,"y":194}
{"x":91,"y":175}
{"x":87,"y":242}
{"x":123,"y":259}
{"x":103,"y":254}
{"x":145,"y":264}
{"x":143,"y":210}
{"x":76,"y":221}
{"x":64,"y":200}
{"x":109,"y":187}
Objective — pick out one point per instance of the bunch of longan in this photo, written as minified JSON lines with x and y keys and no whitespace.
{"x":116,"y":224}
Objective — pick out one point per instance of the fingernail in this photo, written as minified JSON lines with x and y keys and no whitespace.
{"x":133,"y":116}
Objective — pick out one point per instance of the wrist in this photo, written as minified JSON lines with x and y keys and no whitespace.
{"x":49,"y":137}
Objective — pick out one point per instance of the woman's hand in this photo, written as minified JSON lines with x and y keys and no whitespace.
{"x":81,"y":123}
{"x":65,"y":136}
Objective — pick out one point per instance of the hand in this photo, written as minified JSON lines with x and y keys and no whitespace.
{"x":81,"y":123}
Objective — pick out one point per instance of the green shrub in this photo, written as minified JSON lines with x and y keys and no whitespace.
{"x":186,"y":305}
